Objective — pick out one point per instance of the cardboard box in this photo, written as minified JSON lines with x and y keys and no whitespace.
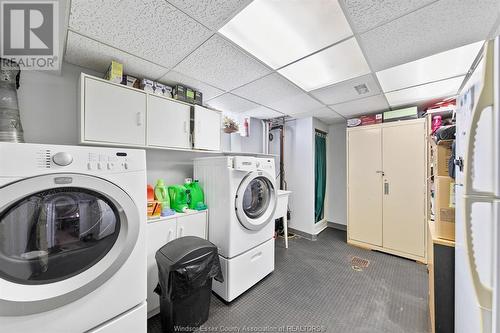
{"x":154,"y":209}
{"x":445,"y":212}
{"x":198,"y":98}
{"x":179,"y":93}
{"x":114,"y":72}
{"x":365,"y":120}
{"x":131,"y":81}
{"x":441,"y":157}
{"x":147,"y":85}
{"x":401,"y":114}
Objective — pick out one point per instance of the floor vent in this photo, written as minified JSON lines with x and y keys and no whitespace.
{"x":358,"y":263}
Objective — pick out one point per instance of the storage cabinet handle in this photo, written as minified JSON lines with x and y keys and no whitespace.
{"x":169,"y":238}
{"x":185,"y":126}
{"x":181,"y":230}
{"x":139,"y":118}
{"x":386,"y":188}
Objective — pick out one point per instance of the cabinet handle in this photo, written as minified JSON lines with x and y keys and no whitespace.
{"x":169,"y":238}
{"x":139,"y":118}
{"x":181,"y":231}
{"x":185,"y":126}
{"x":386,"y":188}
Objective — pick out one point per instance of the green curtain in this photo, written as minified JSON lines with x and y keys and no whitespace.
{"x":320,"y":176}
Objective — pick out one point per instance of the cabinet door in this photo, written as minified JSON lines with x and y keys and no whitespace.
{"x":168,"y":123}
{"x":113,"y":114}
{"x":404,"y":188}
{"x":207,"y":128}
{"x":159,"y":233}
{"x":365,"y":185}
{"x":192,"y":225}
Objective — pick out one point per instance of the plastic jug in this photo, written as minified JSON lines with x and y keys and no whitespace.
{"x":161,"y":194}
{"x":196,"y":199}
{"x":178,"y":198}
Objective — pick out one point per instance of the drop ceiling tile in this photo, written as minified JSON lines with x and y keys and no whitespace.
{"x":340,"y":62}
{"x":280,"y":32}
{"x":153,"y":30}
{"x":425,"y":92}
{"x":221,"y":64}
{"x":437,"y":67}
{"x":367,"y":14}
{"x":268,"y":90}
{"x":263,"y":113}
{"x":361,"y":106}
{"x":325,"y":114}
{"x":211,"y":13}
{"x":346,"y":91}
{"x":85,"y":52}
{"x":172,"y":78}
{"x":441,"y":26}
{"x":231,"y":103}
{"x":296,"y":104}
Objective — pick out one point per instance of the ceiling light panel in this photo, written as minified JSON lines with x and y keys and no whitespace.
{"x":282,"y":31}
{"x":440,"y":66}
{"x":425,"y":92}
{"x":340,"y":62}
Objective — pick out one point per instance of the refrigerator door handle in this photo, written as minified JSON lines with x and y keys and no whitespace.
{"x":484,"y":293}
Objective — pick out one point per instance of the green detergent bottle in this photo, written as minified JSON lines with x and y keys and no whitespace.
{"x":178,"y":198}
{"x":161,"y":194}
{"x":196,"y":198}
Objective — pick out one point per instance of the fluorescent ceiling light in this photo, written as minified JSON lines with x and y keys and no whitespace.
{"x":279,"y":32}
{"x":425,"y":92}
{"x":338,"y":63}
{"x":440,"y":66}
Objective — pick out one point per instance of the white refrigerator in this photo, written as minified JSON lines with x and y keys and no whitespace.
{"x":477,"y":197}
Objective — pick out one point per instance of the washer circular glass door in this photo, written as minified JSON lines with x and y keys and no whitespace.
{"x":61,"y":237}
{"x":256,"y":200}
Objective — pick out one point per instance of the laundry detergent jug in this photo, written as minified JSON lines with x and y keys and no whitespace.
{"x":161,"y":194}
{"x":196,"y":198}
{"x":178,"y":198}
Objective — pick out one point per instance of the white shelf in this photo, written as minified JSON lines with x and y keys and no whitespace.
{"x":176,"y":215}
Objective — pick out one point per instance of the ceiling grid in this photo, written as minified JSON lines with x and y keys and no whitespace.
{"x":199,"y":48}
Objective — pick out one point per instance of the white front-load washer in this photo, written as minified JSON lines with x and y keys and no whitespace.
{"x":240,"y":192}
{"x":72,"y":239}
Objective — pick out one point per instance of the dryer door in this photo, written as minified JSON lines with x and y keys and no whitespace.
{"x":256,"y":200}
{"x":61,"y":237}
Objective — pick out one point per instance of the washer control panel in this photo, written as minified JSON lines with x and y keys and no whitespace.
{"x":107,"y":162}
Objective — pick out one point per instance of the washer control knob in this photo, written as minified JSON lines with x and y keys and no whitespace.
{"x":62,"y":159}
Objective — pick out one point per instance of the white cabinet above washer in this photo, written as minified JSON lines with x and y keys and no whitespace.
{"x":112,"y":114}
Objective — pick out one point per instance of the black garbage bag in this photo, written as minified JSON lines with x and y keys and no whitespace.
{"x":186,"y":267}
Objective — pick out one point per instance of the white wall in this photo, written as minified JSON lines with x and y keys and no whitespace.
{"x":48,"y":105}
{"x":236,"y":143}
{"x":336,"y":189}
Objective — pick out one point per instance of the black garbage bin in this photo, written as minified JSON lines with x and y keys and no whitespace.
{"x":186,"y":267}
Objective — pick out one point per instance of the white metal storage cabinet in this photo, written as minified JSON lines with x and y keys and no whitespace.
{"x":112,"y":114}
{"x":207,"y":128}
{"x":168,"y":123}
{"x":386,"y":188}
{"x":162,"y":231}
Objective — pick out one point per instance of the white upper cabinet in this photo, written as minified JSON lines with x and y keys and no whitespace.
{"x":112,"y":114}
{"x":207,"y":128}
{"x":168,"y":123}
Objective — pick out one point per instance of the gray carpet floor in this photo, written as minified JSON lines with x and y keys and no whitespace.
{"x":315,"y":288}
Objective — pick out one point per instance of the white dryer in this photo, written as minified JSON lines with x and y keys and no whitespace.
{"x":240,"y":192}
{"x":72,"y":239}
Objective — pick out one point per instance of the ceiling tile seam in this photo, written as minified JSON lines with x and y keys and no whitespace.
{"x":173,"y":5}
{"x":473,"y":66}
{"x":65,"y":41}
{"x":356,"y":36}
{"x":190,"y":77}
{"x":113,"y":47}
{"x":394,"y":19}
{"x":426,"y":83}
{"x":248,"y":100}
{"x":317,"y":51}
